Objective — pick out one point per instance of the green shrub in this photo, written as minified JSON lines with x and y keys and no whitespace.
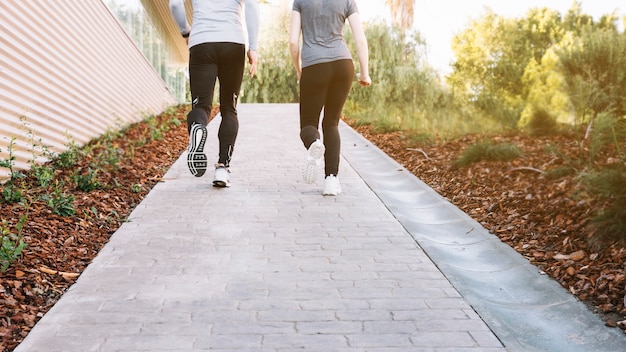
{"x":43,"y":173}
{"x":542,"y":123}
{"x":487,"y":150}
{"x":61,"y":204}
{"x":11,"y":193}
{"x":11,"y":244}
{"x":609,"y":184}
{"x":69,"y":157}
{"x":86,"y":181}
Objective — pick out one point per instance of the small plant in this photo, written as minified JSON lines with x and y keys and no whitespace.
{"x":11,"y":244}
{"x":44,"y":174}
{"x":610,"y":184}
{"x":69,"y":157}
{"x":175,"y":121}
{"x":86,"y":181}
{"x":156,"y":132}
{"x":109,"y":157}
{"x":607,"y":130}
{"x":112,"y":133}
{"x":559,"y":172}
{"x":487,"y":150}
{"x":421,"y":139}
{"x":136,"y":188}
{"x":542,"y":123}
{"x":12,"y":194}
{"x":9,"y":162}
{"x":60,"y":203}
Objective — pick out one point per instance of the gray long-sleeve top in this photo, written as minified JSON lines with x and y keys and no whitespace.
{"x":218,"y":21}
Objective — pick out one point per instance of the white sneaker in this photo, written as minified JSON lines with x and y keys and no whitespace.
{"x":221,"y":178}
{"x":314,"y":156}
{"x":331,"y":186}
{"x":196,"y":159}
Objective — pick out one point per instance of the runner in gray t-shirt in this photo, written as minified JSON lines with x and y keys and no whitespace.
{"x":217,"y":51}
{"x":325,"y":70}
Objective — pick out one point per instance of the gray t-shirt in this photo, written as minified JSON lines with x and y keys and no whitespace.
{"x":219,"y":21}
{"x":322,"y":29}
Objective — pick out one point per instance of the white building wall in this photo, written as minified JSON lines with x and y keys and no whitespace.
{"x":68,"y":72}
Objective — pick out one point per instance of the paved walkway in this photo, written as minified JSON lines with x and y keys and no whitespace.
{"x":270,"y":264}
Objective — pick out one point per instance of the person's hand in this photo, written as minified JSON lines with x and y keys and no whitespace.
{"x":253,"y":59}
{"x":364,"y":79}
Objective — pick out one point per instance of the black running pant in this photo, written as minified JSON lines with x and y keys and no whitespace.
{"x":324,"y":86}
{"x":224,"y":62}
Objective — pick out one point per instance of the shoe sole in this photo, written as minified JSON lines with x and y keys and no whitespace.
{"x":331,"y":193}
{"x":221,"y":184}
{"x":315,"y":154}
{"x":196,"y":159}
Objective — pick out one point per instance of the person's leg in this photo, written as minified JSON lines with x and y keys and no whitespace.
{"x":313,"y":87}
{"x":230,"y":74}
{"x":338,"y":90}
{"x":202,"y":77}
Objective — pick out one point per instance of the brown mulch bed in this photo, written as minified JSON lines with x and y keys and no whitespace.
{"x":546,"y":220}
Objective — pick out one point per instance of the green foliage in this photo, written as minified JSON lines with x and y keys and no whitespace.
{"x":491,"y":56}
{"x":420,"y":139}
{"x":547,"y":100}
{"x":9,"y":161}
{"x":11,"y":244}
{"x":489,"y":151}
{"x":11,"y":193}
{"x":558,"y":172}
{"x":541,"y":123}
{"x":276,"y":78}
{"x":406,"y":93}
{"x":61,"y":204}
{"x":607,"y":130}
{"x":594,"y":68}
{"x":86,"y":180}
{"x":69,"y":157}
{"x":43,"y":173}
{"x":610,"y":224}
{"x":156,"y":128}
{"x":108,"y":158}
{"x":519,"y":71}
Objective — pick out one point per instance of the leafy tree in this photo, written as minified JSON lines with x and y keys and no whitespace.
{"x":594,"y":68}
{"x":492,"y":56}
{"x":405,"y":92}
{"x":276,"y":79}
{"x":547,"y":99}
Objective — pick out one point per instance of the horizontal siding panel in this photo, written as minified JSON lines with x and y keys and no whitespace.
{"x":69,"y":72}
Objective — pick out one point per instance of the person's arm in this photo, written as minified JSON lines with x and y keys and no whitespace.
{"x":362,"y":50}
{"x":294,"y":41}
{"x":177,"y":8}
{"x":252,"y":25}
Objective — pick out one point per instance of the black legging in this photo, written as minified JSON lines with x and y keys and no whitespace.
{"x":324,"y":86}
{"x":209,"y":62}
